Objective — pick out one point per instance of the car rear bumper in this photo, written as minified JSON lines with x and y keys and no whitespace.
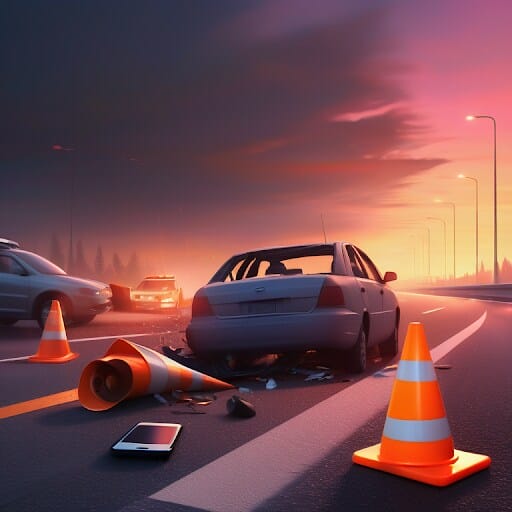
{"x":321,"y":329}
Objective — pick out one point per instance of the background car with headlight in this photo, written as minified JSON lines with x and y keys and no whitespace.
{"x":29,"y":283}
{"x":158,"y":293}
{"x":326,"y":296}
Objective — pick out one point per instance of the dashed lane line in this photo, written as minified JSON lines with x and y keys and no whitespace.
{"x":432,"y":311}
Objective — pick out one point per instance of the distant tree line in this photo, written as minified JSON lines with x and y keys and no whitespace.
{"x":113,"y":271}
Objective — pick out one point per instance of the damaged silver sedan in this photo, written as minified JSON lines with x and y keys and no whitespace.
{"x":326,"y":296}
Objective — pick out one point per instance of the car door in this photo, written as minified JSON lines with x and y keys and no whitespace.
{"x":14,"y":288}
{"x":385,"y":319}
{"x":371,"y":292}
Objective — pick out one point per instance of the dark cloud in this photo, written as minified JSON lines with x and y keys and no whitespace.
{"x":177,"y":110}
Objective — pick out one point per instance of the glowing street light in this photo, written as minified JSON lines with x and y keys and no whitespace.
{"x":444,"y":238}
{"x":453,"y":210}
{"x":496,"y":268}
{"x":463,"y":176}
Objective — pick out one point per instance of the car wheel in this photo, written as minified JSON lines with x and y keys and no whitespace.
{"x":8,"y":321}
{"x":44,"y":310}
{"x":356,"y":356}
{"x":390,"y":347}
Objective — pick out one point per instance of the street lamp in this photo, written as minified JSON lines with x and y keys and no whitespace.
{"x":453,"y":211}
{"x":462,"y":176}
{"x":496,"y":268}
{"x":58,"y":147}
{"x":444,"y":238}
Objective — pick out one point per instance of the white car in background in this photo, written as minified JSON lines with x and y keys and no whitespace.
{"x":326,"y":296}
{"x":29,"y":283}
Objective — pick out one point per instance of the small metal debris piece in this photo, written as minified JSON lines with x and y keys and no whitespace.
{"x":319,"y":376}
{"x":443,"y":366}
{"x":160,"y":399}
{"x":244,"y":390}
{"x":271,"y":384}
{"x":239,"y":407}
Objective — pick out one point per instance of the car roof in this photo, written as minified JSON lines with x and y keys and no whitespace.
{"x":8,"y":244}
{"x":278,"y":248}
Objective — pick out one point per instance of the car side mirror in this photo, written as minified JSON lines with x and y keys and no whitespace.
{"x":390,"y":276}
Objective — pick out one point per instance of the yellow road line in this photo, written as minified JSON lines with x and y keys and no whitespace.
{"x":39,"y":403}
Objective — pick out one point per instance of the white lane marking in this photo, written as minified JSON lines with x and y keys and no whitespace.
{"x":431,"y":311}
{"x":244,"y":478}
{"x":21,"y":358}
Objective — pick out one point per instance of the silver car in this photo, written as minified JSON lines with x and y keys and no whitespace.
{"x":322,"y":296}
{"x":29,"y":283}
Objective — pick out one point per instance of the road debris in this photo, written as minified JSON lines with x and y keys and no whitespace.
{"x":240,"y":408}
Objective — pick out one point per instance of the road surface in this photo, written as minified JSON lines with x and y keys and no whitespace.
{"x":295,"y":454}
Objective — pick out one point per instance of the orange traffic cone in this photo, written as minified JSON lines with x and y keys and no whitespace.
{"x":416,"y":442}
{"x":54,"y":346}
{"x":128,"y":370}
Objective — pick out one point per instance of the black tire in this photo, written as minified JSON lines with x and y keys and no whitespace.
{"x":356,"y":356}
{"x":390,"y":347}
{"x":8,"y":321}
{"x":44,"y":308}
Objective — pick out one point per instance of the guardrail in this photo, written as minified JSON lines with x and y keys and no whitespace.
{"x":499,"y":292}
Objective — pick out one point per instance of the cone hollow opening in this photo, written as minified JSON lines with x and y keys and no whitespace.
{"x":105,"y":383}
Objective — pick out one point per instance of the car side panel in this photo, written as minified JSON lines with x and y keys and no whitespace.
{"x":14,"y":295}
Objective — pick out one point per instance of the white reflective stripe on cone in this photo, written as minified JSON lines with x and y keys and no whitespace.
{"x":416,"y":430}
{"x":159,"y":374}
{"x":54,"y":335}
{"x":416,"y":371}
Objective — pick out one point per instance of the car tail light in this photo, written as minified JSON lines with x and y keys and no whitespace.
{"x":201,"y":306}
{"x":331,"y":295}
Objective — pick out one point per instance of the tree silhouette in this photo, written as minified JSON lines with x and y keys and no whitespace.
{"x":56,"y":253}
{"x":99,"y":263}
{"x":81,"y":267}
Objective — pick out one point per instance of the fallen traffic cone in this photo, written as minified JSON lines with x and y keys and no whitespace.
{"x":54,"y":346}
{"x":128,"y":370}
{"x":416,"y":442}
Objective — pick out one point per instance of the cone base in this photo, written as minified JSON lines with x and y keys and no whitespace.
{"x":59,"y":359}
{"x":466,"y":464}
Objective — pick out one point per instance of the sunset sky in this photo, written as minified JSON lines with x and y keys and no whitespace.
{"x":197,"y":129}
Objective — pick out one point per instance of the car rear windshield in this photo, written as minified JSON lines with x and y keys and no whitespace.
{"x":38,"y":263}
{"x":155,"y":285}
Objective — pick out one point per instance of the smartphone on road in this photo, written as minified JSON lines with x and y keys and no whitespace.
{"x":148,"y":439}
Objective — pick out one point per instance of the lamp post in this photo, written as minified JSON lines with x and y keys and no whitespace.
{"x":444,"y":238}
{"x":496,"y":268}
{"x":58,"y":147}
{"x":462,"y":176}
{"x":453,"y":211}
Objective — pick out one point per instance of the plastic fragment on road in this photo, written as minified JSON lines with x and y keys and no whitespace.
{"x":240,"y":408}
{"x":271,"y":384}
{"x":319,"y":376}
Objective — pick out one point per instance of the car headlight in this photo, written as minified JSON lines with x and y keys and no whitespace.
{"x":167,"y":299}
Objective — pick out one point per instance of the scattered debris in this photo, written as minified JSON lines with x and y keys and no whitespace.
{"x":239,"y":407}
{"x":242,"y":389}
{"x":271,"y":384}
{"x":319,"y":376}
{"x":443,"y":366}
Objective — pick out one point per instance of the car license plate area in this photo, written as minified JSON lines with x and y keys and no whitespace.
{"x":262,"y":308}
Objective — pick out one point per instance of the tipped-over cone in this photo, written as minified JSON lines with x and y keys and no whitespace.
{"x":128,"y":370}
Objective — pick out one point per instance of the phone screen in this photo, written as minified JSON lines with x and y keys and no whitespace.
{"x":152,"y":434}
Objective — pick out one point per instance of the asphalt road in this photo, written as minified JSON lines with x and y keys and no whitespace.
{"x":295,"y":454}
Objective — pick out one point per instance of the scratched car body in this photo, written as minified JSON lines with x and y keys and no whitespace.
{"x":327,"y":296}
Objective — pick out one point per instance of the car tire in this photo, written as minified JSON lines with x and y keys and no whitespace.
{"x":390,"y":346}
{"x":356,"y":356}
{"x":8,"y":321}
{"x":44,"y":309}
